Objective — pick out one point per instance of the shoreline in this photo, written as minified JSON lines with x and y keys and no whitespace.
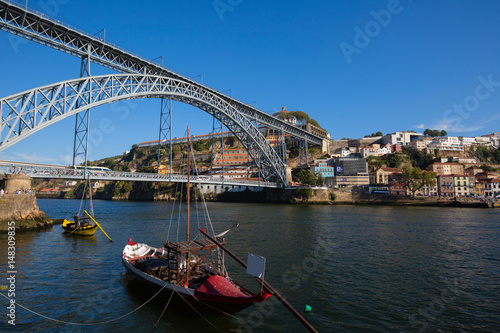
{"x":321,"y":197}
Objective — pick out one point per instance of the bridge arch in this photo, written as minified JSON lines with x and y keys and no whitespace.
{"x":27,"y":112}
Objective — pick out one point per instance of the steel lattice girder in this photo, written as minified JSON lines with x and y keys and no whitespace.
{"x":41,"y":29}
{"x":28,"y":112}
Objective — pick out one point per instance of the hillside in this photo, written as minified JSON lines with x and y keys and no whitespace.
{"x":146,"y":160}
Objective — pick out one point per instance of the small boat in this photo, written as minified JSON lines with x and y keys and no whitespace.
{"x":197,"y":281}
{"x":84,"y":223}
{"x":184,"y":268}
{"x":82,"y":227}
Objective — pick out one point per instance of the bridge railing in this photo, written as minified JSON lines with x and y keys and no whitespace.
{"x":78,"y":174}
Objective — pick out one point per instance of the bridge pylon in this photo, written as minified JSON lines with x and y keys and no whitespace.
{"x":82,"y":121}
{"x":303,"y":154}
{"x":217,"y":144}
{"x":165,"y":132}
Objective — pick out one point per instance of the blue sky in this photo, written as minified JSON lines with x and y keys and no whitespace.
{"x":357,"y":67}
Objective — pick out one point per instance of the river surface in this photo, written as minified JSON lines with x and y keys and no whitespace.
{"x":360,"y":269}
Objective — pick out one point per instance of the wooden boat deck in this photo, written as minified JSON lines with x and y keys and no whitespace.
{"x":192,"y":245}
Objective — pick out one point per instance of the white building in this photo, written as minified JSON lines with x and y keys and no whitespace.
{"x":401,"y":138}
{"x":483,"y":140}
{"x":344,"y":152}
{"x":446,"y":143}
{"x":467,"y":142}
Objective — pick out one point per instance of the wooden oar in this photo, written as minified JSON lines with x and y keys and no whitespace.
{"x":98,"y":225}
{"x":265,"y":284}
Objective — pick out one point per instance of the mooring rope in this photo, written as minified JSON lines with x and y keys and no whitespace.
{"x":192,"y":307}
{"x":84,"y":324}
{"x":172,"y":294}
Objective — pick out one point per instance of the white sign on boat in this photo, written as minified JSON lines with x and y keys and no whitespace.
{"x":256,"y":265}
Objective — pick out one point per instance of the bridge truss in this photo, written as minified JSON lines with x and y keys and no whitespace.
{"x":28,"y":112}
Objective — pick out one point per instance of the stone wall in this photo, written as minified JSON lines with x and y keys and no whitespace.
{"x":16,"y":182}
{"x":23,"y":209}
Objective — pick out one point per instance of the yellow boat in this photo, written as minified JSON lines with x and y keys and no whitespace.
{"x":83,"y":228}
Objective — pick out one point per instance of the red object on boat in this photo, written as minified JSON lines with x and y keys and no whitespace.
{"x":131,"y":242}
{"x":218,"y":289}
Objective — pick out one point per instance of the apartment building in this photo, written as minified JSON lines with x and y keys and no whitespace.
{"x":418,"y":144}
{"x":322,"y":168}
{"x":491,"y":188}
{"x":445,"y":186}
{"x":461,"y":185}
{"x":446,"y":168}
{"x":381,"y":176}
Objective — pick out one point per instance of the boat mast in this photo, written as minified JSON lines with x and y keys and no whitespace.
{"x":188,"y":183}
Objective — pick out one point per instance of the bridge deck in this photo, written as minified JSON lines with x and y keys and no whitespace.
{"x":37,"y":171}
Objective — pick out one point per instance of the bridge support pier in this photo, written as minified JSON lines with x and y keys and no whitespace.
{"x":81,"y":141}
{"x":165,"y":131}
{"x":303,"y":154}
{"x":217,"y":144}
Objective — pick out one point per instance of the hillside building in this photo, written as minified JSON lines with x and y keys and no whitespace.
{"x":445,"y":186}
{"x":401,"y":138}
{"x":446,"y":168}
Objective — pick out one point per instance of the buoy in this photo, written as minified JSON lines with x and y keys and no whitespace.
{"x":308,"y":308}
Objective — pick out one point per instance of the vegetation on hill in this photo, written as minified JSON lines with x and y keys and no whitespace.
{"x":306,"y":177}
{"x":488,"y":168}
{"x":486,"y":154}
{"x":435,"y":132}
{"x":389,"y":160}
{"x":301,"y":116}
{"x":374,"y":135}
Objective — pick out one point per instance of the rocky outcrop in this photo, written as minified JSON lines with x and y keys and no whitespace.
{"x":22,"y":209}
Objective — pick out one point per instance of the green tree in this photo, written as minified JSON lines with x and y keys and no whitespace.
{"x":127,"y":187}
{"x":482,"y":153}
{"x":374,"y":162}
{"x":176,"y":149}
{"x":304,"y":176}
{"x":412,"y":178}
{"x":487,"y":168}
{"x":496,"y":155}
{"x":435,"y":132}
{"x":374,"y":135}
{"x":429,"y":179}
{"x":304,"y":193}
{"x":301,"y":117}
{"x":146,"y":169}
{"x":321,"y":180}
{"x":393,"y":160}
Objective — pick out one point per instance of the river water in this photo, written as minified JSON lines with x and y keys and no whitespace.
{"x":360,"y":268}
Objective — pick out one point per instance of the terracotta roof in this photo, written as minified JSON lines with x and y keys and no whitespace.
{"x":440,"y":163}
{"x":390,"y":169}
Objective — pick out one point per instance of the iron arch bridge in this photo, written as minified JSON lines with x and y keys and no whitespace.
{"x":25,"y":113}
{"x":28,"y":112}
